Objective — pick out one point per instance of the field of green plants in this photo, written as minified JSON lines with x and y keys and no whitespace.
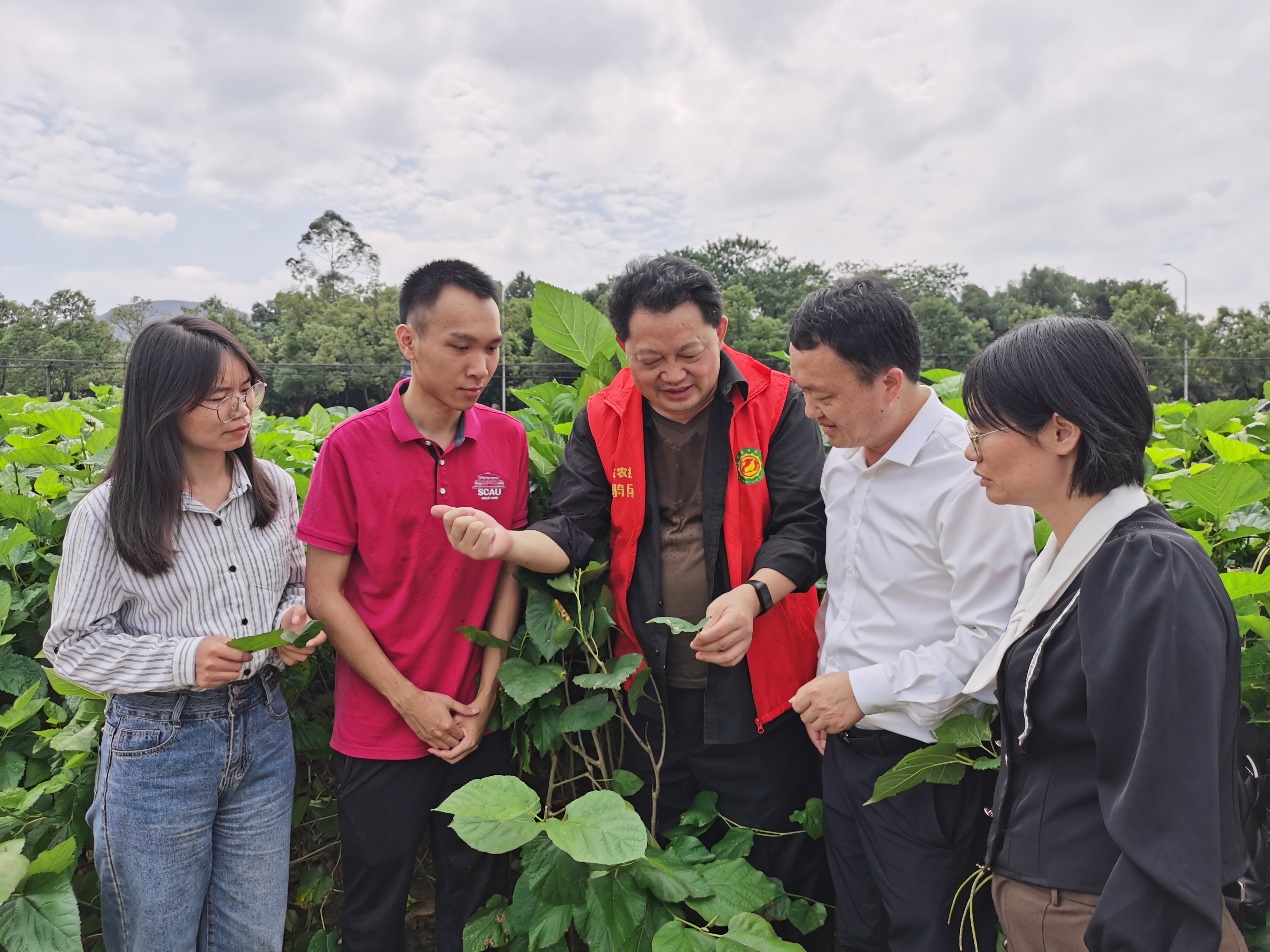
{"x":589,"y":873}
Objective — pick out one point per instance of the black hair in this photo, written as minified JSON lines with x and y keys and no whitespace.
{"x":424,"y":285}
{"x":1081,"y":368}
{"x":866,"y":323}
{"x":659,"y":285}
{"x":173,"y":367}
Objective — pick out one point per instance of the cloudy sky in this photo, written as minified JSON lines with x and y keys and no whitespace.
{"x":179,"y":149}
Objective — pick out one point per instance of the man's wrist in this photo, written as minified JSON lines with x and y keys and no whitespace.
{"x":762,"y":595}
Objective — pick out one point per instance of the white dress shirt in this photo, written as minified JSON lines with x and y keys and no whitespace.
{"x":923,"y":573}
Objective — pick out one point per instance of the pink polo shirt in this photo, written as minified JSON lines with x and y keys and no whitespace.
{"x":375,"y":481}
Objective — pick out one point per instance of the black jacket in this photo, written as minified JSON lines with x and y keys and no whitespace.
{"x":1118,"y":717}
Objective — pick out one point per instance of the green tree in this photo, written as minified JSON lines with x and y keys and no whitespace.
{"x":521,"y":286}
{"x":128,"y":319}
{"x":332,"y":256}
{"x":1241,"y":339}
{"x":778,"y":283}
{"x":949,"y":337}
{"x":914,"y":281}
{"x":214,"y":309}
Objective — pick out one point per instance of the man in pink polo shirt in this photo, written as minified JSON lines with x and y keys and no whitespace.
{"x":412,"y":695}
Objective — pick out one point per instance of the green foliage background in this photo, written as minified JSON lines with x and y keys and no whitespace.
{"x":588,"y":875}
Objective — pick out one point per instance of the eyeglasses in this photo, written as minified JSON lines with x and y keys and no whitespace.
{"x":227,"y":409}
{"x":976,"y":436}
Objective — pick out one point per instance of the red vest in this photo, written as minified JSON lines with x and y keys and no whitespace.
{"x":782,"y":656}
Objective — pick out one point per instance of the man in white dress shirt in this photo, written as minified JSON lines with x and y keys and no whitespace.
{"x":923,"y":572}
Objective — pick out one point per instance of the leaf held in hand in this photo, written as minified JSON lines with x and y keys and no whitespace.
{"x":678,"y":626}
{"x":279,"y":638}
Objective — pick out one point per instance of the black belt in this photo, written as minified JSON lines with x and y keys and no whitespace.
{"x":879,"y":743}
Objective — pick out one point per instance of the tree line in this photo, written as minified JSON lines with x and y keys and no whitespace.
{"x":328,"y":338}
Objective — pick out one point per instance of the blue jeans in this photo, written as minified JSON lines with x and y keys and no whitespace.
{"x":191,"y":819}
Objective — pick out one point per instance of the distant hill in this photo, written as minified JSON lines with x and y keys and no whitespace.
{"x":162,"y":310}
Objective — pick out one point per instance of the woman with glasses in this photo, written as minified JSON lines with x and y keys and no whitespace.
{"x":188,"y":543}
{"x":1114,"y":823}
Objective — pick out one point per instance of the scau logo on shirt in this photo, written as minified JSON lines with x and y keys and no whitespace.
{"x":749,"y":466}
{"x":489,"y":486}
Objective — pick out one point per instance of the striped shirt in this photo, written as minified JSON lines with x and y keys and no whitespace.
{"x":115,"y":631}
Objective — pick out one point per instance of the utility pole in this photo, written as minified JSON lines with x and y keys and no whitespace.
{"x":1186,"y":341}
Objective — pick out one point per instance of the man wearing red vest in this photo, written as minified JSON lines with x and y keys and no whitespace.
{"x":701,"y":466}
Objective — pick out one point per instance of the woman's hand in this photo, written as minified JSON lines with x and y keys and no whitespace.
{"x":217,"y":664}
{"x":294,"y":619}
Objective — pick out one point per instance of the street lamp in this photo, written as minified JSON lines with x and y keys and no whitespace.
{"x":1186,"y":340}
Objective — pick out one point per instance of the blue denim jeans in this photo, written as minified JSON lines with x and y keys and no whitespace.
{"x":191,"y":819}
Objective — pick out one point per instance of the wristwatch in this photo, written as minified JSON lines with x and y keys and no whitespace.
{"x":764,"y":596}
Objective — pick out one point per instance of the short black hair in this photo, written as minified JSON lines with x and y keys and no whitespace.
{"x":659,"y":285}
{"x":866,"y":323}
{"x":1081,"y":368}
{"x":424,"y":285}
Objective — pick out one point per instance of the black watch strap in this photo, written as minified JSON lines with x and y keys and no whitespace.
{"x":764,"y":596}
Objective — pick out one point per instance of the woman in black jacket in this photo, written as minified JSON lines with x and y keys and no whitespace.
{"x":1115,"y":818}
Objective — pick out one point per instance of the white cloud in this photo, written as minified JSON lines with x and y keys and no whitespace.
{"x":565,"y":136}
{"x":109,"y":287}
{"x":115,"y":221}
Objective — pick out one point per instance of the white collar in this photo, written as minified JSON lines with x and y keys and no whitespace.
{"x":1054,"y":569}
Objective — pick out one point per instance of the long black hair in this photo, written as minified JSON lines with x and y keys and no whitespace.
{"x":174,"y":365}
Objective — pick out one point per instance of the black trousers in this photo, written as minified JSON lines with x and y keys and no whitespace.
{"x":759,"y":782}
{"x":385,"y":807}
{"x":897,"y":863}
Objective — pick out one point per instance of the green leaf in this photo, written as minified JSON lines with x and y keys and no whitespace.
{"x":587,"y":714}
{"x":1232,"y":451}
{"x":548,"y":925}
{"x":1257,"y":624}
{"x":1211,"y":415}
{"x":669,"y":878}
{"x":965,"y":730}
{"x":20,"y":508}
{"x":678,"y":626}
{"x":807,"y":916}
{"x":618,"y":673}
{"x":677,"y":937}
{"x":314,"y":887}
{"x":18,"y":673}
{"x":494,"y":814}
{"x":615,"y":908}
{"x":6,"y":599}
{"x":44,"y":918}
{"x":599,"y":827}
{"x":278,"y":638}
{"x":554,"y":876}
{"x":40,"y":456}
{"x":548,"y":629}
{"x":627,"y":784}
{"x":935,"y":764}
{"x":1240,"y":584}
{"x":569,"y":325}
{"x":65,"y":421}
{"x":12,"y":767}
{"x":703,"y":811}
{"x":748,"y":931}
{"x":738,"y":887}
{"x":1222,"y":489}
{"x":77,"y":736}
{"x":487,"y":929}
{"x":524,"y":681}
{"x":56,"y":859}
{"x":811,"y":817}
{"x":736,"y":844}
{"x":68,"y":689}
{"x":13,"y":867}
{"x":22,"y":709}
{"x":324,"y":941}
{"x":481,"y":637}
{"x":690,"y":850}
{"x":18,"y":535}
